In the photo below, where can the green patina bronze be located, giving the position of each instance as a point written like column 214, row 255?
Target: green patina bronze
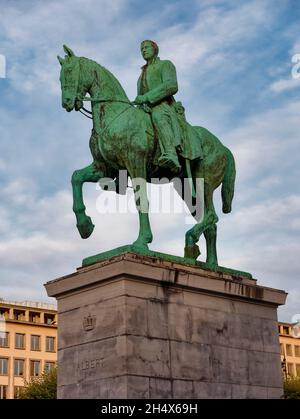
column 149, row 140
column 161, row 256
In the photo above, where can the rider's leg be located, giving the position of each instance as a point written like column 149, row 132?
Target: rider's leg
column 167, row 135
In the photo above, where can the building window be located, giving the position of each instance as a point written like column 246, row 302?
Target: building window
column 297, row 351
column 50, row 344
column 19, row 367
column 49, row 319
column 282, row 349
column 286, row 330
column 17, row 391
column 298, row 370
column 49, row 366
column 19, row 315
column 34, row 368
column 290, row 369
column 3, row 366
column 4, row 313
column 3, row 392
column 289, row 350
column 4, row 339
column 20, row 341
column 34, row 317
column 35, row 343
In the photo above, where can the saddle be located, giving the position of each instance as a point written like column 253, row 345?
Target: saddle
column 191, row 146
column 189, row 149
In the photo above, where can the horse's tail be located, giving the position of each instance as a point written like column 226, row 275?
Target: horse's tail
column 228, row 182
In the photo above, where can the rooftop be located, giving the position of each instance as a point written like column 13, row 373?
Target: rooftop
column 29, row 304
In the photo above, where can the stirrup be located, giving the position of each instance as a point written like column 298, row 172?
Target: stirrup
column 169, row 162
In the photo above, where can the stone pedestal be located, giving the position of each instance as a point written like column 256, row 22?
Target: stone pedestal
column 135, row 326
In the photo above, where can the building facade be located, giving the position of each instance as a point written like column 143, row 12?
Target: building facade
column 289, row 338
column 28, row 343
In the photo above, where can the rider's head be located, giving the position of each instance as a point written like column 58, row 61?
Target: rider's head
column 149, row 50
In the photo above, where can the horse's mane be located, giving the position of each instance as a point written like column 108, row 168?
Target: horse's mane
column 109, row 84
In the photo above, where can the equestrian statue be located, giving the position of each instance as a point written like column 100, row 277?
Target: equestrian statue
column 148, row 138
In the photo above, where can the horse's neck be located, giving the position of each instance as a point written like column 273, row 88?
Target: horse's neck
column 105, row 85
column 112, row 97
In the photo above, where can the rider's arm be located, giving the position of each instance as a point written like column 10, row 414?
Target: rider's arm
column 168, row 87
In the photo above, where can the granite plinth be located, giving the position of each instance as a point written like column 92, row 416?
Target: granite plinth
column 136, row 326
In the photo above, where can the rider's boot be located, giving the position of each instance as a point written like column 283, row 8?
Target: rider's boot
column 167, row 131
column 169, row 160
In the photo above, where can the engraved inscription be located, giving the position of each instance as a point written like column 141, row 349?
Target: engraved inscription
column 90, row 364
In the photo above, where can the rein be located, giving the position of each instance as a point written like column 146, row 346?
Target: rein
column 86, row 110
column 91, row 99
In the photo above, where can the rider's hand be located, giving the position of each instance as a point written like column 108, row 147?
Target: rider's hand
column 141, row 99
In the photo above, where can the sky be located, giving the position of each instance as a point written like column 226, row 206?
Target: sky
column 234, row 67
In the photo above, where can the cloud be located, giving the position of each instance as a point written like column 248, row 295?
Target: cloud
column 214, row 31
column 267, row 141
column 268, row 217
column 283, row 85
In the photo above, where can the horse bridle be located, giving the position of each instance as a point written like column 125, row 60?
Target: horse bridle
column 96, row 100
column 90, row 99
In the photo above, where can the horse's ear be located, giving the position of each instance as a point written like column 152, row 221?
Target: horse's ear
column 61, row 60
column 68, row 51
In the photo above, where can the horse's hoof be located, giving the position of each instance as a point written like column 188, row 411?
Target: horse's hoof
column 86, row 228
column 138, row 245
column 192, row 252
column 212, row 265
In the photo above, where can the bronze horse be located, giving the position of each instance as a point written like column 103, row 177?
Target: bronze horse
column 123, row 139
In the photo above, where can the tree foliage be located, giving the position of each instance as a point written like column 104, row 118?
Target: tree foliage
column 292, row 388
column 43, row 387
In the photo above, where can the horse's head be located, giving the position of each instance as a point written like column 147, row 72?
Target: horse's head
column 72, row 89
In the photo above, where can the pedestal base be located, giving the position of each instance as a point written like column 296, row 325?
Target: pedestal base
column 134, row 326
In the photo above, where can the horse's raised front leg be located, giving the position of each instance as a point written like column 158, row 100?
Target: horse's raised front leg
column 141, row 200
column 79, row 177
